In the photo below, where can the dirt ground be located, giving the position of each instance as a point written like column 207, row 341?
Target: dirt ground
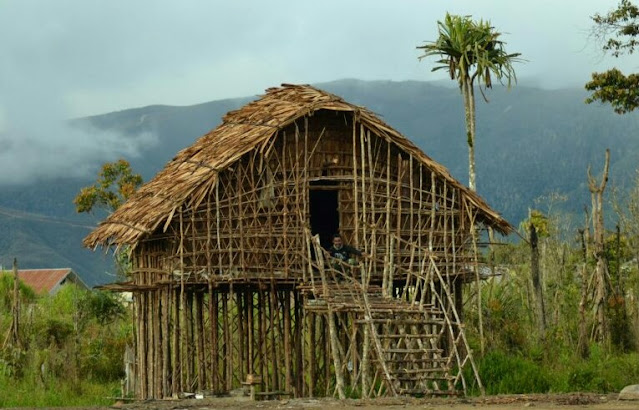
column 538, row 402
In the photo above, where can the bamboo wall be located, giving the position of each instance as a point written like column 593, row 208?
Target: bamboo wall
column 219, row 293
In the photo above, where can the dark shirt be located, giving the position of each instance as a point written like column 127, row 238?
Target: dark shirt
column 344, row 253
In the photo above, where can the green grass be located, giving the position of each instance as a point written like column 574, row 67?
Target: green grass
column 27, row 393
column 563, row 372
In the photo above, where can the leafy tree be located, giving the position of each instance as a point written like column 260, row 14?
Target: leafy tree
column 618, row 31
column 471, row 51
column 116, row 183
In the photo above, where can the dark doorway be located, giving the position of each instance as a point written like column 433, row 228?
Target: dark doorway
column 324, row 213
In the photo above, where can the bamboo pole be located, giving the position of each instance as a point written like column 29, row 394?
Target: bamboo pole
column 285, row 220
column 387, row 283
column 287, row 341
column 190, row 337
column 365, row 363
column 157, row 341
column 184, row 325
column 199, row 337
column 373, row 236
column 365, row 238
column 262, row 337
column 355, row 196
column 274, row 360
column 175, row 351
column 312, row 351
column 227, row 351
column 166, row 341
column 215, row 367
column 299, row 345
column 250, row 332
column 241, row 335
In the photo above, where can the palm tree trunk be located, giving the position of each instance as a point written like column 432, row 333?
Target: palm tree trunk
column 472, row 184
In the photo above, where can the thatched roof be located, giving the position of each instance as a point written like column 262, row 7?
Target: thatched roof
column 194, row 170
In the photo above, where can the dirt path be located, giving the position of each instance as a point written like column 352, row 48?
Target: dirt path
column 537, row 402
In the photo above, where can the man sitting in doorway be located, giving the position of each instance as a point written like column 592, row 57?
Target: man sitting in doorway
column 342, row 252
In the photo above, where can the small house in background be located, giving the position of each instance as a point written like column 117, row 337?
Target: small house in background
column 49, row 281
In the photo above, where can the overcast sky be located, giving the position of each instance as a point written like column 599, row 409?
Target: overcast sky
column 69, row 58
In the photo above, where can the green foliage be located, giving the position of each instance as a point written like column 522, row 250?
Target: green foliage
column 613, row 87
column 504, row 373
column 539, row 220
column 471, row 50
column 73, row 348
column 27, row 392
column 618, row 30
column 503, row 318
column 103, row 306
column 116, row 183
column 561, row 372
column 27, row 295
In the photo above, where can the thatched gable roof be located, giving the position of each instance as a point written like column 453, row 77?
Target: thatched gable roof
column 194, row 170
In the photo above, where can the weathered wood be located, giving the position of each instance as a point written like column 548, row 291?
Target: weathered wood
column 237, row 241
column 288, row 354
column 536, row 279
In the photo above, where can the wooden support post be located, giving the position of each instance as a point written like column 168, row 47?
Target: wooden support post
column 157, row 344
column 227, row 351
column 312, row 352
column 355, row 196
column 275, row 384
column 241, row 335
column 536, row 280
column 387, row 285
column 215, row 367
column 263, row 353
column 288, row 354
column 166, row 341
column 190, row 348
column 299, row 345
column 365, row 362
column 199, row 335
column 250, row 332
column 175, row 351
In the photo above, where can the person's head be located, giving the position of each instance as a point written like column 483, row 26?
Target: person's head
column 337, row 241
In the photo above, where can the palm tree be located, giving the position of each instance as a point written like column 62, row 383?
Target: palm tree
column 469, row 51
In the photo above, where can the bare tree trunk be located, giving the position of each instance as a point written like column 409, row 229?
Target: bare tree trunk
column 469, row 108
column 601, row 277
column 582, row 345
column 539, row 291
column 13, row 336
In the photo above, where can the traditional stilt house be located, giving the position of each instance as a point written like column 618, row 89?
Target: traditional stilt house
column 231, row 280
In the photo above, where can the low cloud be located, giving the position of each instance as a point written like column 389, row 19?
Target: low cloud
column 50, row 150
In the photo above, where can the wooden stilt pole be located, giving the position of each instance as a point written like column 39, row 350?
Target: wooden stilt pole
column 288, row 354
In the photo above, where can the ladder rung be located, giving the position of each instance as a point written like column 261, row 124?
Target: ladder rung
column 416, row 360
column 404, row 322
column 416, row 378
column 421, row 371
column 410, row 336
column 409, row 351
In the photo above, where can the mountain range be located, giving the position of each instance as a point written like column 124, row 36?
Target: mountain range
column 531, row 142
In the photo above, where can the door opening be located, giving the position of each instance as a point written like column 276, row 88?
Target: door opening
column 324, row 213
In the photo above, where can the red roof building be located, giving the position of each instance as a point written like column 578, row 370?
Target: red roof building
column 49, row 281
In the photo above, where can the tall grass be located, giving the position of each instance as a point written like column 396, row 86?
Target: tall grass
column 70, row 351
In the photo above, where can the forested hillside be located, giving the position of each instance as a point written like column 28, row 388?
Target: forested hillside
column 530, row 142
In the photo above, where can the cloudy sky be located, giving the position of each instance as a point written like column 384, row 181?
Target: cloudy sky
column 69, row 58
